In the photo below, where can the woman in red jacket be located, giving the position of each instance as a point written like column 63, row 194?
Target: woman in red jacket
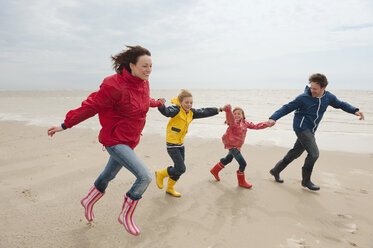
column 121, row 104
column 233, row 139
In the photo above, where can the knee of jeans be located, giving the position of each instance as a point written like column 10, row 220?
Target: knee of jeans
column 147, row 179
column 181, row 170
column 314, row 156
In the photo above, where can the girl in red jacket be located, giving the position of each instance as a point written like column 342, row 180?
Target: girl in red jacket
column 233, row 139
column 121, row 104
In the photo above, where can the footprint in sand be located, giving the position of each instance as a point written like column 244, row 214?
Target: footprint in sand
column 349, row 242
column 345, row 216
column 296, row 243
column 330, row 181
column 349, row 227
column 361, row 172
column 363, row 191
column 29, row 194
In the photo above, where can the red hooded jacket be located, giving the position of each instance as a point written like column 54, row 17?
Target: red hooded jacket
column 121, row 103
column 235, row 135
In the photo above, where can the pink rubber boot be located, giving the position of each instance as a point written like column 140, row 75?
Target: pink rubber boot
column 87, row 202
column 125, row 216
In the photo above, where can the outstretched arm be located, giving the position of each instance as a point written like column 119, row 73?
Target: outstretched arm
column 229, row 115
column 286, row 109
column 169, row 111
column 260, row 125
column 156, row 103
column 207, row 112
column 345, row 106
column 96, row 102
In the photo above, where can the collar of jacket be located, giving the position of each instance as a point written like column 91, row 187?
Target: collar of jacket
column 175, row 101
column 131, row 78
column 307, row 91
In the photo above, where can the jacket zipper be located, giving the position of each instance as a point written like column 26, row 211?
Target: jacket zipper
column 317, row 116
column 301, row 122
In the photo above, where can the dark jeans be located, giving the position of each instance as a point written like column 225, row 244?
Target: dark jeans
column 236, row 154
column 305, row 141
column 177, row 155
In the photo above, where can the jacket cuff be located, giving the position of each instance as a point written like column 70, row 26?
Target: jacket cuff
column 63, row 126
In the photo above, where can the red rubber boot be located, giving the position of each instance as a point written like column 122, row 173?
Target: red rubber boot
column 241, row 180
column 215, row 171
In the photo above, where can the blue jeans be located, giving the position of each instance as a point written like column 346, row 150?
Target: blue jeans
column 305, row 142
column 122, row 155
column 177, row 155
column 236, row 154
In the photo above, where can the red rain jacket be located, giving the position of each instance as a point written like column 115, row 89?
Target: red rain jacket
column 121, row 103
column 236, row 132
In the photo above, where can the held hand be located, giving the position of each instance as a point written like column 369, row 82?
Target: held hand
column 358, row 113
column 54, row 129
column 162, row 100
column 271, row 123
column 226, row 106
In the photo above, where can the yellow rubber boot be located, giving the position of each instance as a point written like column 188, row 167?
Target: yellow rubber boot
column 170, row 188
column 160, row 175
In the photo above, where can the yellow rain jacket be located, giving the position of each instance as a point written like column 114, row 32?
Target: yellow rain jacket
column 178, row 125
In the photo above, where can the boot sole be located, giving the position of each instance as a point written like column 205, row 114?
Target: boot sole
column 173, row 195
column 277, row 180
column 312, row 189
column 245, row 186
column 217, row 179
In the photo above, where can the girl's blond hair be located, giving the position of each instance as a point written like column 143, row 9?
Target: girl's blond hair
column 240, row 109
column 183, row 93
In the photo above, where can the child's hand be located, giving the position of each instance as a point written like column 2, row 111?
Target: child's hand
column 162, row 100
column 226, row 106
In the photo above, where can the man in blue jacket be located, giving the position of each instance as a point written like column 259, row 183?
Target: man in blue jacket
column 309, row 109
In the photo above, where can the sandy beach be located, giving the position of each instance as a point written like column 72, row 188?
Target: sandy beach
column 42, row 180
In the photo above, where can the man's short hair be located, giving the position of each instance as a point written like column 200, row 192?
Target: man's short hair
column 319, row 78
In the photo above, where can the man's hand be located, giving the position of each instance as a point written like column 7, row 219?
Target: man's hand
column 271, row 123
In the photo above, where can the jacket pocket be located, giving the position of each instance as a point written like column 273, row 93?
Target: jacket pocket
column 301, row 122
column 175, row 129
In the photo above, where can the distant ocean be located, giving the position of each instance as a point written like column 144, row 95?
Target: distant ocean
column 338, row 130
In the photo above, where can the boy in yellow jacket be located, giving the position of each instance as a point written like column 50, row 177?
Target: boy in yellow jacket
column 181, row 115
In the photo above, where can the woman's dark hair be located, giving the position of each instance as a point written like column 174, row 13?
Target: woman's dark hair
column 319, row 78
column 123, row 59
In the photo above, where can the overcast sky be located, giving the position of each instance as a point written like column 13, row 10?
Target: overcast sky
column 50, row 44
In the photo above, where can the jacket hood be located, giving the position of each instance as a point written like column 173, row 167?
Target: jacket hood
column 175, row 101
column 306, row 89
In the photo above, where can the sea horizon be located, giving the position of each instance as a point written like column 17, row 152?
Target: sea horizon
column 338, row 130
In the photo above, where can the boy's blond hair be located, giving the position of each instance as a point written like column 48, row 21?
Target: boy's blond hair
column 183, row 93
